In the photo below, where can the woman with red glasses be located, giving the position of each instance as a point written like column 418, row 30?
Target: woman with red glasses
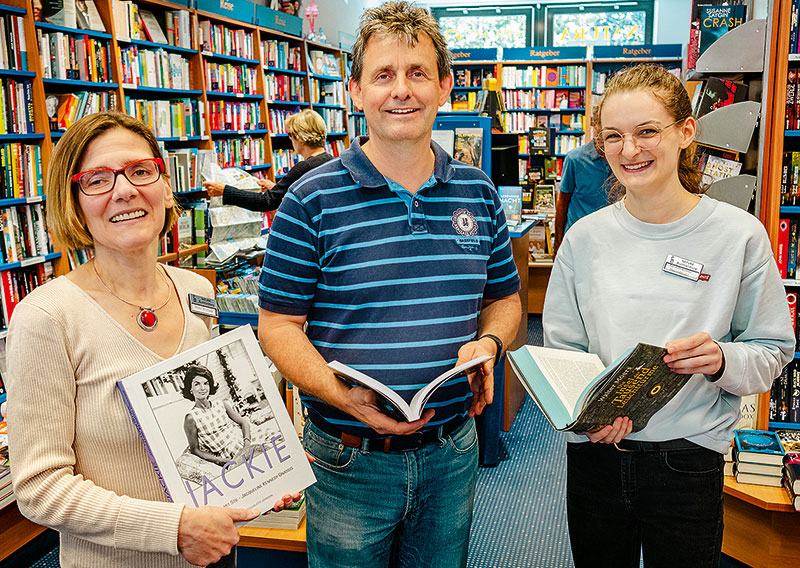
column 664, row 265
column 77, row 462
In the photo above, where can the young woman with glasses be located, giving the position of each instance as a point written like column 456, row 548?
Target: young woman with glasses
column 78, row 465
column 669, row 266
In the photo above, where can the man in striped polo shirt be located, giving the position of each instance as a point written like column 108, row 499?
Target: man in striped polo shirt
column 398, row 259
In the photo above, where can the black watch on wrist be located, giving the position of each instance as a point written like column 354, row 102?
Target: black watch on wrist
column 497, row 341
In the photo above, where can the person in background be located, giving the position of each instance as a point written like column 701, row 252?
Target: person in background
column 398, row 259
column 307, row 133
column 664, row 265
column 78, row 465
column 583, row 188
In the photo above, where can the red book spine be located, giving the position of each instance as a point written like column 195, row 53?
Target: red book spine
column 791, row 299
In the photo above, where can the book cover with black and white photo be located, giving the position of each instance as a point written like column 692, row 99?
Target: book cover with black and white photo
column 215, row 427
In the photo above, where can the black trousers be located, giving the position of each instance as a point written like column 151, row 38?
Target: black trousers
column 668, row 504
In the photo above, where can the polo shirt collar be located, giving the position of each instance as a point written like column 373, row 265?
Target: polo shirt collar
column 367, row 175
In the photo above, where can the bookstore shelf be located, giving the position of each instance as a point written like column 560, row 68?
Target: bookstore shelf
column 291, row 103
column 548, row 110
column 325, row 77
column 736, row 190
column 16, row 73
column 68, row 83
column 254, row 132
column 12, row 9
column 191, row 251
column 730, row 127
column 30, row 261
column 792, row 133
column 181, row 138
column 12, row 136
column 784, row 426
column 220, row 95
column 470, row 88
column 337, row 134
column 229, row 58
column 11, row 202
column 322, row 105
column 160, row 91
column 360, row 113
column 72, row 31
column 164, row 46
column 237, row 318
column 257, row 167
column 284, row 71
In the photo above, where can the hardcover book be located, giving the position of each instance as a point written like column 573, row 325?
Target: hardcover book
column 791, row 463
column 392, row 403
column 468, row 146
column 578, row 393
column 757, row 479
column 716, row 21
column 758, row 446
column 215, row 428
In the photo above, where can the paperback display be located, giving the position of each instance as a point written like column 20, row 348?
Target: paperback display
column 392, row 403
column 178, row 406
column 511, row 198
column 577, row 393
column 757, row 446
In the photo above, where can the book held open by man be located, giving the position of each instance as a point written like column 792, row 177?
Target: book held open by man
column 391, row 402
column 578, row 393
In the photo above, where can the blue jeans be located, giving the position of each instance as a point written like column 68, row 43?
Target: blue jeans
column 666, row 503
column 405, row 509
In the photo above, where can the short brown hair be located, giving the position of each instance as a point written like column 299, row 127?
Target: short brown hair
column 405, row 20
column 669, row 90
column 64, row 217
column 308, row 127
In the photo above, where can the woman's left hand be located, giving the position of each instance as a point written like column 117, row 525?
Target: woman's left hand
column 696, row 354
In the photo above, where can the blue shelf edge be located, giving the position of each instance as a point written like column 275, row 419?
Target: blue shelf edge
column 12, row 201
column 784, row 425
column 237, row 318
column 27, row 261
column 12, row 9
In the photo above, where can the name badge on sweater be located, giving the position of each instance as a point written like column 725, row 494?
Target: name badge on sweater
column 203, row 306
column 684, row 268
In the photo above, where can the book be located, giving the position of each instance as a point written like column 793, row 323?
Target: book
column 790, row 440
column 87, row 17
column 717, row 168
column 538, row 244
column 151, row 26
column 511, row 198
column 59, row 13
column 545, row 198
column 716, row 93
column 539, row 140
column 290, row 518
column 791, row 464
column 716, row 21
column 760, row 468
column 203, row 384
column 793, row 496
column 757, row 479
column 445, row 139
column 576, row 392
column 757, row 446
column 468, row 146
column 392, row 403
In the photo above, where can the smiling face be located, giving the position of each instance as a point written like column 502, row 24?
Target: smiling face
column 400, row 90
column 646, row 171
column 128, row 218
column 200, row 388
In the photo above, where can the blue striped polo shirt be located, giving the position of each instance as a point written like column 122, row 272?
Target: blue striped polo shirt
column 391, row 283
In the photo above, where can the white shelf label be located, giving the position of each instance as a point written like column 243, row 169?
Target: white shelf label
column 31, row 260
column 35, row 199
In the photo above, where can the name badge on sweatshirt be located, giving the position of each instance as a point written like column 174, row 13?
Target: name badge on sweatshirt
column 203, row 306
column 685, row 268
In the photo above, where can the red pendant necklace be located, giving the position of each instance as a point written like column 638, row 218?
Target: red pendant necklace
column 147, row 318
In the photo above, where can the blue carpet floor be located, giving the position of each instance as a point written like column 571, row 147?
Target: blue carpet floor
column 520, row 518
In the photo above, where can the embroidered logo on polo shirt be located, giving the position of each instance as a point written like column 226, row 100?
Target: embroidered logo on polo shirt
column 464, row 223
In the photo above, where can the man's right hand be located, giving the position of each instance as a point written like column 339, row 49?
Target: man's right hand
column 362, row 405
column 206, row 534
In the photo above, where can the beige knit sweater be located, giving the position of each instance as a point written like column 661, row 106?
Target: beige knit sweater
column 77, row 463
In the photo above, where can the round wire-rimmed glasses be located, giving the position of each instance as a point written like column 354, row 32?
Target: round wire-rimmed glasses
column 645, row 137
column 103, row 180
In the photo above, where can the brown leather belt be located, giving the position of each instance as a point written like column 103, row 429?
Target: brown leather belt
column 389, row 444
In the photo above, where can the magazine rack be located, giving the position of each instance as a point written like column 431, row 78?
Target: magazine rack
column 736, row 190
column 730, row 127
column 727, row 56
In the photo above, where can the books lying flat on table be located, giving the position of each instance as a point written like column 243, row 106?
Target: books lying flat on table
column 757, row 446
column 210, row 462
column 392, row 403
column 290, row 518
column 758, row 479
column 577, row 393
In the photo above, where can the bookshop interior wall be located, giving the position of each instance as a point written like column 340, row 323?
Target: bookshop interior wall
column 216, row 82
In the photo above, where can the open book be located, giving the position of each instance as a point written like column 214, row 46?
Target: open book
column 577, row 393
column 392, row 403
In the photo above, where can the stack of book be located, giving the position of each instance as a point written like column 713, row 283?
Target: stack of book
column 290, row 518
column 759, row 457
